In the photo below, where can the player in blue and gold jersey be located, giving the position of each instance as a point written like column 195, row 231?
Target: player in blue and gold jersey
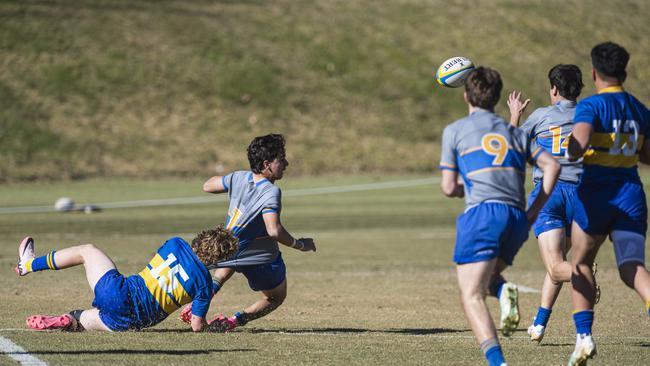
column 549, row 128
column 254, row 218
column 176, row 275
column 610, row 131
column 490, row 155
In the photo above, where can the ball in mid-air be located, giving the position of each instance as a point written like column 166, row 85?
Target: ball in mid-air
column 64, row 204
column 453, row 72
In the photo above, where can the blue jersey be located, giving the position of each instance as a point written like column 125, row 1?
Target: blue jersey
column 174, row 277
column 490, row 155
column 620, row 124
column 249, row 201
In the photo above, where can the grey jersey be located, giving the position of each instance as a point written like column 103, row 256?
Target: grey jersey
column 490, row 155
column 549, row 128
column 250, row 200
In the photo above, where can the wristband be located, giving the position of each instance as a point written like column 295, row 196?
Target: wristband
column 295, row 244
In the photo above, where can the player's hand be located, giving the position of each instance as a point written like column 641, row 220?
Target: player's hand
column 305, row 244
column 186, row 314
column 517, row 107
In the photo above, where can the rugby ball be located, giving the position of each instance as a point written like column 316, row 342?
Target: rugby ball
column 453, row 72
column 64, row 204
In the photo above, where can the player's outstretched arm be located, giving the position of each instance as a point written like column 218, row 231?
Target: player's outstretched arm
column 551, row 169
column 579, row 140
column 450, row 185
column 275, row 230
column 517, row 107
column 214, row 185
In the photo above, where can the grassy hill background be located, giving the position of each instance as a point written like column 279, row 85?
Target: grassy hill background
column 153, row 88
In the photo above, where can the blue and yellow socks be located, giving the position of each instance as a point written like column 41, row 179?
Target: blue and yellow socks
column 41, row 263
column 543, row 315
column 583, row 321
column 647, row 307
column 493, row 352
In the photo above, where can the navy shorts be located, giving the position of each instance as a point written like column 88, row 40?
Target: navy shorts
column 490, row 230
column 113, row 299
column 557, row 213
column 264, row 277
column 602, row 208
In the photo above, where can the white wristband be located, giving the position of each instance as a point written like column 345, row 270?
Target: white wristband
column 295, row 244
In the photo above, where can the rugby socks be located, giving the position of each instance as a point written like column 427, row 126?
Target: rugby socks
column 41, row 263
column 496, row 286
column 543, row 315
column 241, row 318
column 647, row 307
column 493, row 352
column 583, row 321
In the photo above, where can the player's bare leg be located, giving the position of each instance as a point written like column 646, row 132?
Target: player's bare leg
column 636, row 277
column 473, row 280
column 583, row 291
column 271, row 300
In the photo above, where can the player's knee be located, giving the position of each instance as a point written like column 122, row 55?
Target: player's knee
column 627, row 272
column 555, row 279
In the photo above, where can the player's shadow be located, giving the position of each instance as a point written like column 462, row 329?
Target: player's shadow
column 330, row 330
column 122, row 351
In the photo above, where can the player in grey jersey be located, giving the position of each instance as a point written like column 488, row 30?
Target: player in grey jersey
column 549, row 127
column 254, row 218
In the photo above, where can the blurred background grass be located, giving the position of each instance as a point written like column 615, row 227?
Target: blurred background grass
column 156, row 88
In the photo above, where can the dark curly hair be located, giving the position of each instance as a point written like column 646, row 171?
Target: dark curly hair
column 212, row 246
column 567, row 79
column 269, row 148
column 483, row 87
column 610, row 59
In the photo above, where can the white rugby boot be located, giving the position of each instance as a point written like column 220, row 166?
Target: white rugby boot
column 508, row 301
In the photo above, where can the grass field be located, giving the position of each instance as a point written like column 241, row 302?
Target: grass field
column 381, row 288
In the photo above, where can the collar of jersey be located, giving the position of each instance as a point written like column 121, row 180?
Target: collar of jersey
column 480, row 110
column 611, row 89
column 566, row 102
column 259, row 182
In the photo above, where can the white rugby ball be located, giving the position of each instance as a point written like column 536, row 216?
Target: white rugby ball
column 64, row 204
column 453, row 72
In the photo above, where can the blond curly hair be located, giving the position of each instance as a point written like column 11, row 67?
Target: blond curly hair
column 214, row 245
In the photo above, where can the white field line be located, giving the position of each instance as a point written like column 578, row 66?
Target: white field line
column 17, row 353
column 224, row 198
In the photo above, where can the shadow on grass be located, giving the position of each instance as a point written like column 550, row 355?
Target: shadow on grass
column 557, row 344
column 643, row 344
column 180, row 352
column 406, row 331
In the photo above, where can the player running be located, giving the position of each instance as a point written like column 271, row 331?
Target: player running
column 610, row 131
column 548, row 128
column 254, row 218
column 176, row 275
column 491, row 156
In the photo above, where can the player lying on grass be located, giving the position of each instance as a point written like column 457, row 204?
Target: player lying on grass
column 610, row 132
column 491, row 157
column 176, row 275
column 254, row 218
column 548, row 128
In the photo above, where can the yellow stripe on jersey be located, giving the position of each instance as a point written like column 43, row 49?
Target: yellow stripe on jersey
column 604, row 140
column 447, row 165
column 233, row 219
column 611, row 89
column 160, row 281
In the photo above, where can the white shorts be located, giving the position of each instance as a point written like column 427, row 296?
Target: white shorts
column 628, row 247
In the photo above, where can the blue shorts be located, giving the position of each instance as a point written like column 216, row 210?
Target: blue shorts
column 113, row 299
column 557, row 213
column 604, row 207
column 264, row 277
column 488, row 231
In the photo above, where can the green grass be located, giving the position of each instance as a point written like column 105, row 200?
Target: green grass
column 152, row 88
column 381, row 288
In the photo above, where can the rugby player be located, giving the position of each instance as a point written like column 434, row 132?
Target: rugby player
column 254, row 218
column 491, row 156
column 610, row 131
column 176, row 275
column 548, row 127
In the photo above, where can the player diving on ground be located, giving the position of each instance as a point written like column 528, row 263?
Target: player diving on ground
column 176, row 275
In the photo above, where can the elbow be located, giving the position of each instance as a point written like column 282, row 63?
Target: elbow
column 274, row 232
column 448, row 189
column 206, row 187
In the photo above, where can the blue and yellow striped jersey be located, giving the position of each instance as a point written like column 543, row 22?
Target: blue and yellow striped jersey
column 620, row 124
column 174, row 277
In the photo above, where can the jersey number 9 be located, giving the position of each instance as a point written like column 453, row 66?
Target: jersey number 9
column 496, row 145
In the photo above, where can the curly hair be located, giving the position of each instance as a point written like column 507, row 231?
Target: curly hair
column 610, row 59
column 483, row 87
column 567, row 79
column 269, row 148
column 214, row 245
